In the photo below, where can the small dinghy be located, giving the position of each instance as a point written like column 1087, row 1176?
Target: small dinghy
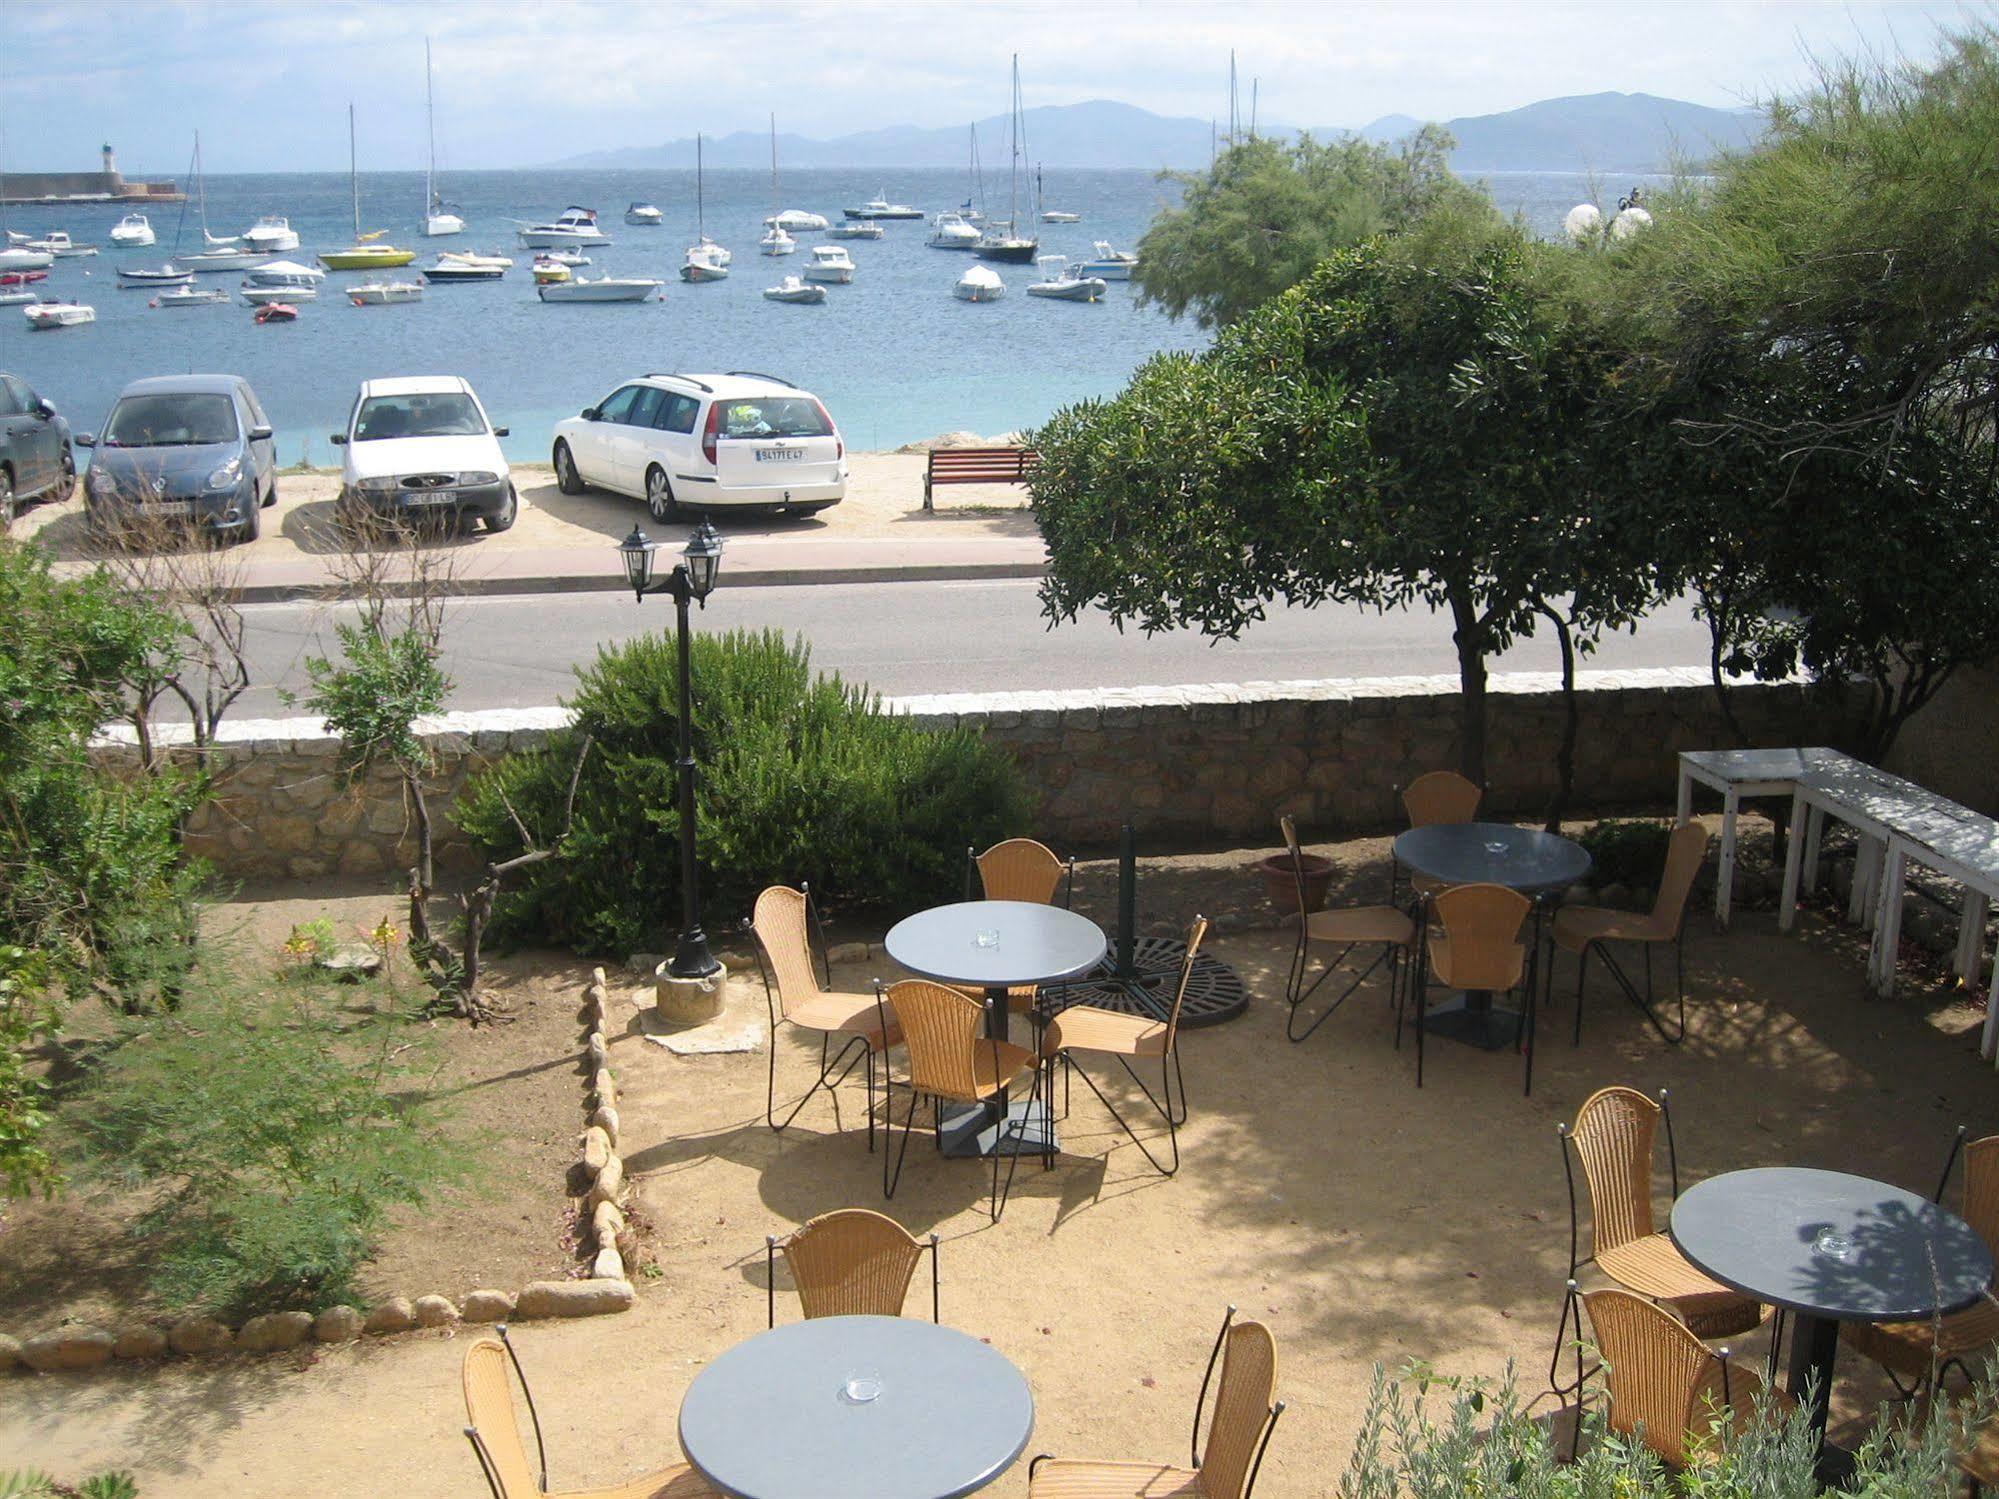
column 549, row 272
column 384, row 293
column 979, row 284
column 603, row 289
column 795, row 289
column 46, row 315
column 190, row 296
column 645, row 215
column 1062, row 282
column 275, row 312
column 22, row 278
column 14, row 296
column 265, row 296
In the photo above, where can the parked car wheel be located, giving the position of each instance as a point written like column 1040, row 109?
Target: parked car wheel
column 66, row 485
column 6, row 500
column 660, row 502
column 566, row 478
column 504, row 519
column 252, row 526
column 271, row 498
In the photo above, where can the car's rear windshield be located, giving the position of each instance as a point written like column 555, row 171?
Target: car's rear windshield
column 171, row 421
column 774, row 416
column 447, row 414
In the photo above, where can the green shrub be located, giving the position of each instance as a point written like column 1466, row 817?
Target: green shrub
column 26, row 1015
column 277, row 1132
column 801, row 778
column 1631, row 854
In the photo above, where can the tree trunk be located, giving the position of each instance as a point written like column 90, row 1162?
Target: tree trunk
column 425, row 869
column 1469, row 637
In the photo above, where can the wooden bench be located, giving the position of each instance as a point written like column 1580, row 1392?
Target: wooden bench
column 977, row 466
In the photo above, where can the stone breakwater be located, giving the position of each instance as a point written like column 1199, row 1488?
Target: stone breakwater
column 1198, row 763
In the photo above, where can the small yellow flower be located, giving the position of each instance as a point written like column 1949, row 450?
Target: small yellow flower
column 385, row 935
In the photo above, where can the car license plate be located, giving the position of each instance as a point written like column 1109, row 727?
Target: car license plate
column 173, row 507
column 780, row 455
column 431, row 497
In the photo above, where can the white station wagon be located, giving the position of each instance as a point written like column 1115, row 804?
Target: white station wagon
column 705, row 442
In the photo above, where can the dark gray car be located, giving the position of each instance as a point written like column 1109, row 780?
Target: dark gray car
column 35, row 458
column 182, row 448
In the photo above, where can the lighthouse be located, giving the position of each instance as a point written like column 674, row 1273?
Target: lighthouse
column 110, row 164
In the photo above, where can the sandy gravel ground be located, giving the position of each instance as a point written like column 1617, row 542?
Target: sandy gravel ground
column 884, row 498
column 1364, row 1220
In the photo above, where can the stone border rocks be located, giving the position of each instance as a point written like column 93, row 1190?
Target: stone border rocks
column 600, row 1168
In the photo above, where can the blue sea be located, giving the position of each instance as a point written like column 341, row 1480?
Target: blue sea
column 894, row 355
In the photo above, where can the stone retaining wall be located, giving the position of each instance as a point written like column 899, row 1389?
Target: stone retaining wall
column 1216, row 761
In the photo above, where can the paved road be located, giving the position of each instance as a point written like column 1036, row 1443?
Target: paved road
column 516, row 651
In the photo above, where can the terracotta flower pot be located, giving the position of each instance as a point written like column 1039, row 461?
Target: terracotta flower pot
column 1281, row 881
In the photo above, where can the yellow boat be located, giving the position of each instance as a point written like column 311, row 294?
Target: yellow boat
column 365, row 255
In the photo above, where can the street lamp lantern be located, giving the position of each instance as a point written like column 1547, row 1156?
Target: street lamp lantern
column 691, row 581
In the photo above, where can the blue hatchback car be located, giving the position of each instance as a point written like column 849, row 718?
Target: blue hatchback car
column 184, row 448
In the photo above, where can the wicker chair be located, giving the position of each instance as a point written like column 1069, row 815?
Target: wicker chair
column 1019, row 869
column 1921, row 1351
column 1613, row 1136
column 1237, row 1436
column 850, row 1263
column 1388, row 927
column 786, row 926
column 1665, row 1386
column 495, row 1435
column 1128, row 1038
column 1586, row 931
column 1478, row 950
column 1440, row 796
column 951, row 1060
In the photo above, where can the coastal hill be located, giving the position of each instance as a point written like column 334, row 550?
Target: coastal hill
column 1590, row 132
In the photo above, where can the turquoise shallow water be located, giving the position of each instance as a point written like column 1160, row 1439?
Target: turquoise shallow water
column 895, row 356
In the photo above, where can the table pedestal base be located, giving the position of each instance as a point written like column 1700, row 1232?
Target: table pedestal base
column 1814, row 1349
column 971, row 1130
column 1475, row 1020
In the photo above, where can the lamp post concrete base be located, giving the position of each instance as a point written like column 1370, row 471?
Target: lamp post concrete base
column 688, row 1001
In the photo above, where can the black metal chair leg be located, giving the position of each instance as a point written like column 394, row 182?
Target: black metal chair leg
column 890, row 1181
column 1642, row 1002
column 1291, row 1032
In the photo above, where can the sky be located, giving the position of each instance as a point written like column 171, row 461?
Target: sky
column 267, row 82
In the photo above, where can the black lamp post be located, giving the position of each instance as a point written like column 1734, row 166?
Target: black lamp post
column 691, row 581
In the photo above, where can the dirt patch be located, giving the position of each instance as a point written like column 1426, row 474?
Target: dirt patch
column 513, row 1094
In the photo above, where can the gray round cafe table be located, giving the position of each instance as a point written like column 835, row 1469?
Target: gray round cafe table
column 994, row 945
column 1829, row 1248
column 1489, row 853
column 856, row 1408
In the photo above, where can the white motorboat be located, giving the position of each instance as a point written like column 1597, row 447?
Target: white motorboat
column 61, row 246
column 856, row 229
column 1063, row 283
column 45, row 315
column 133, row 229
column 284, row 273
column 951, row 231
column 568, row 258
column 271, row 235
column 573, row 226
column 14, row 296
column 168, row 274
column 547, row 271
column 476, row 258
column 191, row 296
column 261, row 296
column 879, row 207
column 776, row 242
column 979, row 284
column 449, row 270
column 1060, row 216
column 603, row 289
column 223, row 259
column 384, row 293
column 22, row 258
column 438, row 219
column 792, row 289
column 701, row 265
column 1112, row 265
column 797, row 221
column 16, row 237
column 644, row 215
column 830, row 263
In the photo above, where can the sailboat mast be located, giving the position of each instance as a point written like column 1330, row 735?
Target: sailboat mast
column 700, row 194
column 1013, row 167
column 200, row 187
column 353, row 172
column 430, row 129
column 773, row 161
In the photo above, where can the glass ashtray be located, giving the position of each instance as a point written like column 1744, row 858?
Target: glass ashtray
column 1835, row 1245
column 862, row 1388
column 987, row 937
column 1495, row 846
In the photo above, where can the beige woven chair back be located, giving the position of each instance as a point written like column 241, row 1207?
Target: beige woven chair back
column 852, row 1263
column 489, row 1409
column 1613, row 1136
column 1660, row 1376
column 939, row 1029
column 780, row 924
column 1685, row 853
column 1483, row 923
column 1196, row 934
column 1981, row 1189
column 1440, row 796
column 1020, row 869
column 1242, row 1408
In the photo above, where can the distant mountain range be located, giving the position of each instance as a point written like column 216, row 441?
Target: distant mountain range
column 1589, row 132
